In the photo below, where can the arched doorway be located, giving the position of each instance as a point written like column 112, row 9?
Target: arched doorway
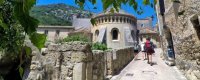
column 168, row 47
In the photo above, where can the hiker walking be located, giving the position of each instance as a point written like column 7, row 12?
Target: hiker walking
column 149, row 50
column 144, row 54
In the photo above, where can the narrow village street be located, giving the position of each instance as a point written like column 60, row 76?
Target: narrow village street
column 138, row 69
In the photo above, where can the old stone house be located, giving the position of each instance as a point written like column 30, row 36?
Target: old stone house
column 55, row 32
column 142, row 23
column 148, row 32
column 118, row 30
column 146, row 29
column 182, row 26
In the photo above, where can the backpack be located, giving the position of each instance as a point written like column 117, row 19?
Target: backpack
column 148, row 44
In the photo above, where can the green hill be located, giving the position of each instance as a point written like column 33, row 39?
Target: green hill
column 57, row 14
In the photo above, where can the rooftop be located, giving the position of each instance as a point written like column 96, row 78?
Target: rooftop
column 50, row 26
column 120, row 12
column 147, row 30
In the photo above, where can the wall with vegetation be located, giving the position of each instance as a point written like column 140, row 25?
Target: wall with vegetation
column 76, row 61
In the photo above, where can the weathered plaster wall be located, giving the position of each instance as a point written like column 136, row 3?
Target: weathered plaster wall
column 51, row 36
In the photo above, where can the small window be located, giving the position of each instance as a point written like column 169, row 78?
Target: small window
column 121, row 20
column 115, row 34
column 133, row 34
column 129, row 20
column 124, row 19
column 57, row 33
column 142, row 25
column 97, row 33
column 113, row 19
column 117, row 19
column 46, row 32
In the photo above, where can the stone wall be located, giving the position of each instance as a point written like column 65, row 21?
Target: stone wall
column 112, row 60
column 185, row 31
column 76, row 61
column 118, row 59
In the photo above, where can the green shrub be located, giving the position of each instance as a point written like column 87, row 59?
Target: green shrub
column 77, row 37
column 99, row 46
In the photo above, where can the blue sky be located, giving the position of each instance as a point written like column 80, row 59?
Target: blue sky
column 148, row 11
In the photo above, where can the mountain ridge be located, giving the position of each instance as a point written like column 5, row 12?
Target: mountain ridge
column 57, row 14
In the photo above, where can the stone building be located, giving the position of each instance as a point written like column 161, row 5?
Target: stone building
column 117, row 30
column 146, row 29
column 55, row 32
column 148, row 32
column 182, row 26
column 81, row 24
column 147, row 22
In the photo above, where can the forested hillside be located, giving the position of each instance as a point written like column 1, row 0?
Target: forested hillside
column 57, row 14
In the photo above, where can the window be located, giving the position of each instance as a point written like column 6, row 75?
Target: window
column 116, row 19
column 115, row 34
column 121, row 19
column 57, row 33
column 132, row 33
column 196, row 24
column 142, row 25
column 105, row 19
column 97, row 33
column 46, row 32
column 113, row 19
column 130, row 21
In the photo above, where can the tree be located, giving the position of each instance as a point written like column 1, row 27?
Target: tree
column 15, row 24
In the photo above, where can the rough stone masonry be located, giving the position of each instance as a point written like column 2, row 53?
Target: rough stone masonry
column 76, row 61
column 185, row 34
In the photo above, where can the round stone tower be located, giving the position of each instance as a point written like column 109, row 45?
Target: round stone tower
column 118, row 30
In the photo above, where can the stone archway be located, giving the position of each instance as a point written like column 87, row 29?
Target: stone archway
column 169, row 39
